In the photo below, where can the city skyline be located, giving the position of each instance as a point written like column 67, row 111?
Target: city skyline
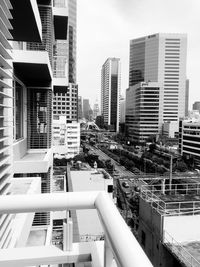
column 112, row 34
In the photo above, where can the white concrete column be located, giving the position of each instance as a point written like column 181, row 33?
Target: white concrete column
column 108, row 256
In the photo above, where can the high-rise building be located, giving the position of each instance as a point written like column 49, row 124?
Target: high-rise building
column 158, row 58
column 26, row 109
column 87, row 111
column 96, row 110
column 65, row 100
column 110, row 92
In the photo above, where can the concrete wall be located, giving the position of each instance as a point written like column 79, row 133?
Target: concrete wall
column 183, row 228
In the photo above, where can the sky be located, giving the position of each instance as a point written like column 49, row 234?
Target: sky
column 105, row 28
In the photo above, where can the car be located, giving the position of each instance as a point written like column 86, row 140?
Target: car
column 125, row 184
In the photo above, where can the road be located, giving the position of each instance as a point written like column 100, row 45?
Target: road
column 121, row 169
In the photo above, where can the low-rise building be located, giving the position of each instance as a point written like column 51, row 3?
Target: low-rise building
column 189, row 139
column 169, row 223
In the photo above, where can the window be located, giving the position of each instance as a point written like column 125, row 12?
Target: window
column 18, row 110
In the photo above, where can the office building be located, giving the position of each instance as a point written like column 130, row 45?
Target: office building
column 142, row 110
column 158, row 58
column 110, row 93
column 87, row 111
column 189, row 139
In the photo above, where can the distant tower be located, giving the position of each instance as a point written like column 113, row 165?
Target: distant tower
column 110, row 92
column 96, row 110
column 87, row 111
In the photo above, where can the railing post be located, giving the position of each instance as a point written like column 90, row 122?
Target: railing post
column 67, row 233
column 108, row 256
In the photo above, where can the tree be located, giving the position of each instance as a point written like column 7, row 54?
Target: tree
column 181, row 166
column 152, row 147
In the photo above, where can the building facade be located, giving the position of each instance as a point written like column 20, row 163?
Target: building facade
column 189, row 139
column 161, row 58
column 110, row 92
column 80, row 108
column 72, row 22
column 66, row 138
column 142, row 110
column 26, row 110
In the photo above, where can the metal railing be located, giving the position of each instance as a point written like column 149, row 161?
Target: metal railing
column 178, row 249
column 171, row 208
column 186, row 188
column 123, row 247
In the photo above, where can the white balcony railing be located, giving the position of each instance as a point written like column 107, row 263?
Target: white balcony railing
column 119, row 241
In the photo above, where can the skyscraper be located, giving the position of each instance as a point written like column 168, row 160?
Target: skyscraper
column 65, row 101
column 159, row 61
column 110, row 92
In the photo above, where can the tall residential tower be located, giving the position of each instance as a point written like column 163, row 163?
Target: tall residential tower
column 110, row 92
column 157, row 82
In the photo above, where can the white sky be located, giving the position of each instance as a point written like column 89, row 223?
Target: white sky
column 105, row 28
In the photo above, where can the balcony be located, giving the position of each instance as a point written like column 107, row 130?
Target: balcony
column 118, row 248
column 26, row 21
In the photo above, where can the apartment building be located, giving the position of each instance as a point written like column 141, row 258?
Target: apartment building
column 110, row 92
column 189, row 139
column 160, row 58
column 29, row 72
column 66, row 138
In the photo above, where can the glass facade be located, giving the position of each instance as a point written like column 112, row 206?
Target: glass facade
column 137, row 63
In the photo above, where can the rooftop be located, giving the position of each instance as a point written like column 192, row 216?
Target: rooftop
column 181, row 199
column 88, row 220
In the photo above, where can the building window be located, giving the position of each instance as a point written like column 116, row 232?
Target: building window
column 18, row 110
